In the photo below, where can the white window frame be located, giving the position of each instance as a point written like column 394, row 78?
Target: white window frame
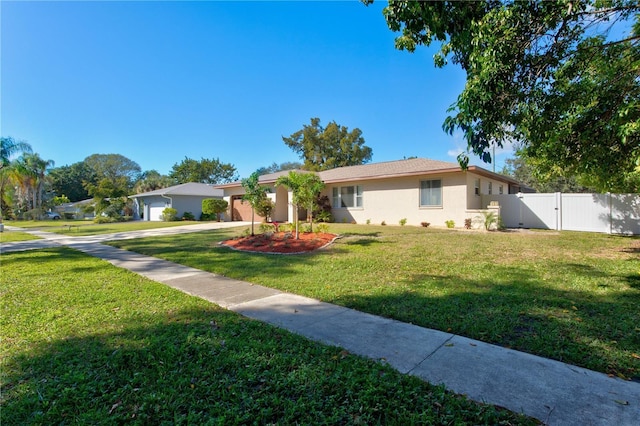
column 477, row 187
column 500, row 189
column 430, row 188
column 358, row 197
column 490, row 187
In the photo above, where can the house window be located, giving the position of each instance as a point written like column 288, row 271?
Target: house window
column 500, row 189
column 477, row 187
column 490, row 188
column 347, row 196
column 430, row 193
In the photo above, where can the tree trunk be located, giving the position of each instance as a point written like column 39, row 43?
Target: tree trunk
column 252, row 211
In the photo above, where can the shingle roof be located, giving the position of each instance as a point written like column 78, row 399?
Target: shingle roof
column 386, row 169
column 191, row 188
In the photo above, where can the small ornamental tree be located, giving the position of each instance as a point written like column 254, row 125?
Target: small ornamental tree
column 305, row 188
column 214, row 206
column 255, row 194
column 265, row 208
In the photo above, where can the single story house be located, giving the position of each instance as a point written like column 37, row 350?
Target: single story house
column 76, row 209
column 418, row 190
column 186, row 197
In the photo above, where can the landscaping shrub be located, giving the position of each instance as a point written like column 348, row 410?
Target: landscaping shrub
column 323, row 216
column 322, row 228
column 212, row 208
column 467, row 223
column 105, row 219
column 403, row 221
column 488, row 220
column 425, row 224
column 266, row 228
column 169, row 215
column 322, row 209
column 188, row 216
column 450, row 223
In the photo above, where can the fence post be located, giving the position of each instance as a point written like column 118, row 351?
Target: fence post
column 558, row 211
column 520, row 219
column 610, row 203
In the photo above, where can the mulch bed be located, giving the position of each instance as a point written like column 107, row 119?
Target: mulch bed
column 281, row 242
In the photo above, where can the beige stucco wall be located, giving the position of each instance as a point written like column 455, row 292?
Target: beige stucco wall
column 391, row 200
column 281, row 198
column 475, row 201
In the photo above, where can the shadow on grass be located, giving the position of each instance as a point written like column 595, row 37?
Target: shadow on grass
column 362, row 242
column 360, row 234
column 633, row 280
column 522, row 313
column 585, row 322
column 205, row 365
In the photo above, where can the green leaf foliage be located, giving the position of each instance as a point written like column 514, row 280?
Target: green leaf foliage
column 561, row 78
column 214, row 206
column 72, row 180
column 324, row 148
column 211, row 171
column 255, row 194
column 305, row 188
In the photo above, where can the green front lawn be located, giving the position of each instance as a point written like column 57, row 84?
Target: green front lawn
column 87, row 343
column 569, row 296
column 87, row 227
column 8, row 236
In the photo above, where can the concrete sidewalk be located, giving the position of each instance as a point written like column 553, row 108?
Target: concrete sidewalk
column 554, row 392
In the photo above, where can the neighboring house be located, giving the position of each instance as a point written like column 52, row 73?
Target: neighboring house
column 418, row 190
column 76, row 209
column 186, row 197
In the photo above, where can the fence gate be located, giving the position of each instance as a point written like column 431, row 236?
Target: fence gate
column 608, row 213
column 539, row 211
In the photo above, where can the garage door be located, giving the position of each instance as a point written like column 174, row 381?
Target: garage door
column 155, row 210
column 241, row 210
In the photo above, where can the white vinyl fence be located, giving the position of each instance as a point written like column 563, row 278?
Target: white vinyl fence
column 607, row 213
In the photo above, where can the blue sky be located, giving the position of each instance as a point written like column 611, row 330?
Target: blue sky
column 161, row 81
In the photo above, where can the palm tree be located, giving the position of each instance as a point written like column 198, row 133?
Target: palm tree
column 254, row 194
column 305, row 187
column 150, row 181
column 31, row 170
column 10, row 147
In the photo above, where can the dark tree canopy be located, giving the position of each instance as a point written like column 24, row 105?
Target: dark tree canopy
column 114, row 178
column 206, row 170
column 327, row 148
column 559, row 77
column 69, row 181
